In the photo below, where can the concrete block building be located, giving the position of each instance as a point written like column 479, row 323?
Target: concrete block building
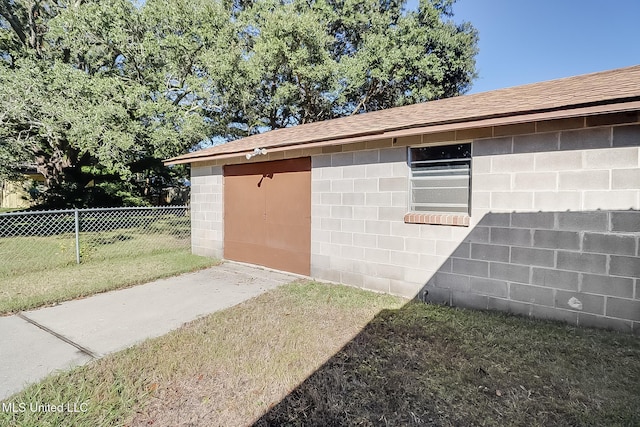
column 523, row 199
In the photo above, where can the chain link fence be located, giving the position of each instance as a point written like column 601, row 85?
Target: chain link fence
column 38, row 241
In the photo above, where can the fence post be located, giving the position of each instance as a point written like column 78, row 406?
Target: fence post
column 77, row 218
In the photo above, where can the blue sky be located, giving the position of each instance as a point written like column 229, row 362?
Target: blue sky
column 528, row 41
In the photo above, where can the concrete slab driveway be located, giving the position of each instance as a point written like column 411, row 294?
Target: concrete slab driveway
column 36, row 343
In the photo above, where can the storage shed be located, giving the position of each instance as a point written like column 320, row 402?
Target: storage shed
column 522, row 199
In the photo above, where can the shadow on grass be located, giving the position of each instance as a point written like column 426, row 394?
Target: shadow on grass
column 433, row 365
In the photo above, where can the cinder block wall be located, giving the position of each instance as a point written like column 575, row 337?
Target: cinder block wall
column 359, row 237
column 580, row 267
column 207, row 210
column 358, row 233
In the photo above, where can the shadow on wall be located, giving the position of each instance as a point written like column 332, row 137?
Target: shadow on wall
column 579, row 267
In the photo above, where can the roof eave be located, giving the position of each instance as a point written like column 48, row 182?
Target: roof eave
column 591, row 110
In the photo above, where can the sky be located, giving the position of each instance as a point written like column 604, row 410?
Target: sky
column 529, row 41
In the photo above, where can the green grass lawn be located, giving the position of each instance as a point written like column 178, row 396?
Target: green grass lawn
column 23, row 290
column 309, row 354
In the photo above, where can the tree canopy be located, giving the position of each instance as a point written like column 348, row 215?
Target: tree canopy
column 97, row 92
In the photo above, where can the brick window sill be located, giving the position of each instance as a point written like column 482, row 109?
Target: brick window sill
column 460, row 220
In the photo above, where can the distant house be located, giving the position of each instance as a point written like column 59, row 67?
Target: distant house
column 522, row 199
column 15, row 194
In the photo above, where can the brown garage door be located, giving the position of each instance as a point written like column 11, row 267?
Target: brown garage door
column 267, row 214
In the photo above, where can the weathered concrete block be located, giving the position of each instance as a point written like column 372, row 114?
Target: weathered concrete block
column 378, row 199
column 512, row 200
column 535, row 181
column 469, row 300
column 556, row 239
column 531, row 294
column 391, row 242
column 585, row 139
column 495, row 219
column 492, row 146
column 390, row 213
column 365, row 157
column 341, row 238
column 404, row 259
column 353, row 199
column 377, row 227
column 321, row 161
column 607, row 285
column 421, row 246
column 354, row 171
column 625, row 266
column 579, row 302
column 341, row 212
column 625, row 221
column 509, row 272
column 626, row 136
column 470, row 267
column 492, row 182
column 457, row 282
column 478, row 235
column 363, row 185
column 602, row 322
column 555, row 278
column 583, row 221
column 557, row 161
column 365, row 212
column 625, row 179
column 491, row 287
column 393, row 184
column 536, row 143
column 486, row 252
column 513, row 163
column 462, row 251
column 618, row 244
column 611, row 158
column 584, row 180
column 554, row 313
column 577, row 261
column 393, row 155
column 341, row 159
column 610, row 199
column 531, row 256
column 377, row 255
column 378, row 284
column 557, row 200
column 509, row 306
column 511, row 236
column 544, row 220
column 388, row 271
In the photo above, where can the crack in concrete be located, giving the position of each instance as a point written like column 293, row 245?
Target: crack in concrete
column 60, row 337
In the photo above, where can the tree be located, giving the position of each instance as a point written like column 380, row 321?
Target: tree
column 96, row 92
column 105, row 87
column 314, row 60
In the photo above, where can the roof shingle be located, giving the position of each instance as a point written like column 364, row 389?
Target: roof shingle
column 602, row 88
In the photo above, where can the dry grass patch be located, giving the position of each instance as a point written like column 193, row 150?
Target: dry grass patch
column 311, row 354
column 30, row 290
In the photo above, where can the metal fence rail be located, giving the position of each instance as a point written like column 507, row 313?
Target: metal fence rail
column 37, row 241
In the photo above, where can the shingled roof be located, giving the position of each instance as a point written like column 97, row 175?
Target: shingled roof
column 603, row 92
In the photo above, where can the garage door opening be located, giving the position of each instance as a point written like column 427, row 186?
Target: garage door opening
column 267, row 214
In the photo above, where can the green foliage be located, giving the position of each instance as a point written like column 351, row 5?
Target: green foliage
column 91, row 90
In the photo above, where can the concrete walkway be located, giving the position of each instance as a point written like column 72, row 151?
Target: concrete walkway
column 39, row 342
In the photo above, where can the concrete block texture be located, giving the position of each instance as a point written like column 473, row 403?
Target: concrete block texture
column 623, row 308
column 626, row 136
column 580, row 261
column 608, row 243
column 579, row 302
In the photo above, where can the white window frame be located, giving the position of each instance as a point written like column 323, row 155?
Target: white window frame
column 440, row 208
